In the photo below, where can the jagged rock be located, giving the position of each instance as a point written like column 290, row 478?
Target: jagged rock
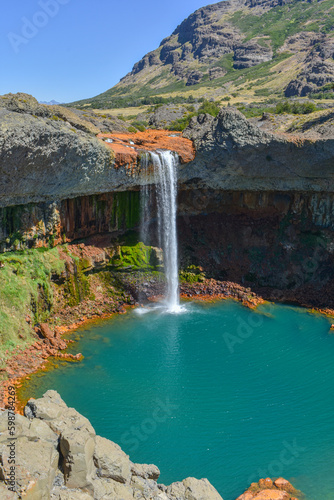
column 110, row 461
column 180, row 70
column 194, row 77
column 147, row 488
column 49, row 407
column 110, row 475
column 250, row 54
column 167, row 50
column 232, row 153
column 35, row 451
column 77, row 436
column 150, row 59
column 165, row 115
column 318, row 69
column 283, row 484
column 193, row 489
column 77, row 449
column 65, row 494
column 145, row 471
column 216, row 72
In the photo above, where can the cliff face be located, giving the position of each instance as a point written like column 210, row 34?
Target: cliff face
column 279, row 243
column 51, row 157
column 253, row 204
column 232, row 153
column 42, row 158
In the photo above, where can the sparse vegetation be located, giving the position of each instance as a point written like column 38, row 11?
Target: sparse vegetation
column 295, row 108
column 209, row 107
column 25, row 280
column 289, row 107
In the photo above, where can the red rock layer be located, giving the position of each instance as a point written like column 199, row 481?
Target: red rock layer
column 127, row 146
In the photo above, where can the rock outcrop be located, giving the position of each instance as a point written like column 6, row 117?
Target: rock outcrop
column 60, row 185
column 318, row 68
column 266, row 489
column 59, row 457
column 52, row 157
column 128, row 148
column 250, row 54
column 232, row 153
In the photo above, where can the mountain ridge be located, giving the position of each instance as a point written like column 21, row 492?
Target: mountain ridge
column 274, row 47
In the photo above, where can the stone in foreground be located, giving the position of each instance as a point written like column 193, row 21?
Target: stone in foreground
column 61, row 458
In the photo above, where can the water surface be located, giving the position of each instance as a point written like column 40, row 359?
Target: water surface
column 219, row 392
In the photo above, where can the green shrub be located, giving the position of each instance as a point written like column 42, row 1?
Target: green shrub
column 209, row 107
column 295, row 108
column 140, row 125
column 192, row 274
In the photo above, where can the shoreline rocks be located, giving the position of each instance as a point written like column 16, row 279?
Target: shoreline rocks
column 267, row 489
column 61, row 458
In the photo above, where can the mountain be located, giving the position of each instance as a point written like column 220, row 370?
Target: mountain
column 49, row 103
column 240, row 49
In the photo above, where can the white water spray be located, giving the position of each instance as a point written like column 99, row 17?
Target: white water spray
column 165, row 174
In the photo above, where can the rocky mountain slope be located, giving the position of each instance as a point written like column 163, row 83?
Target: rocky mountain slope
column 247, row 49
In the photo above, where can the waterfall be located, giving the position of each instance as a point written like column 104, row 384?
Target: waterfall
column 165, row 176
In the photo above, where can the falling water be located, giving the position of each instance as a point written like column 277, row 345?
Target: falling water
column 165, row 175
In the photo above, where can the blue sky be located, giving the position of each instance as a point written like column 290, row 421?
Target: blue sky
column 74, row 49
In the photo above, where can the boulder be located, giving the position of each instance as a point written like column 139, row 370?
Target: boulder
column 46, row 331
column 49, row 407
column 110, row 461
column 283, row 484
column 193, row 489
column 77, row 449
column 248, row 495
column 77, row 436
column 36, row 466
column 265, row 483
column 35, row 453
column 145, row 471
column 59, row 417
column 175, row 491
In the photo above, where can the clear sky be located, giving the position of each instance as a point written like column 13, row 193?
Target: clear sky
column 73, row 49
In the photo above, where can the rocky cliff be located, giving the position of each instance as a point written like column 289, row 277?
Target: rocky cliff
column 258, row 193
column 247, row 49
column 61, row 457
column 48, row 153
column 234, row 154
